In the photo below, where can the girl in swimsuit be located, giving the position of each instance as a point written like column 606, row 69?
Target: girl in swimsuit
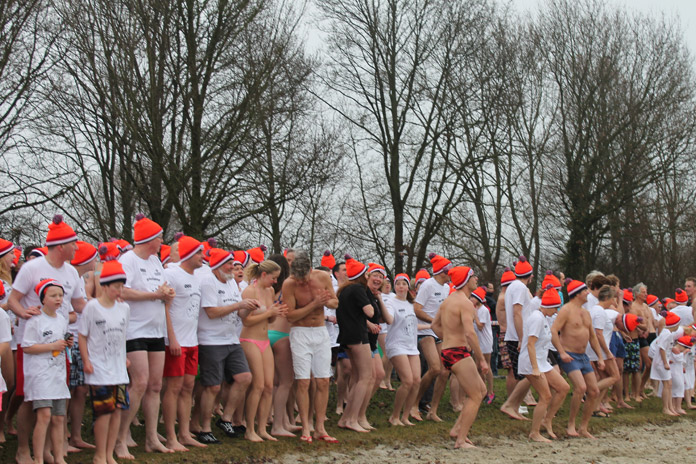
column 256, row 345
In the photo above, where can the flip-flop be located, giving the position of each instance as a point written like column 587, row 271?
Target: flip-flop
column 327, row 439
column 306, row 438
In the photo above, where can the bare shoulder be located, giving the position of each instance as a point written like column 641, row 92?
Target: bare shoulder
column 321, row 276
column 249, row 292
column 289, row 284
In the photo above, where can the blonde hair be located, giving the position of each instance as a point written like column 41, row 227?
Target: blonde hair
column 254, row 270
column 5, row 271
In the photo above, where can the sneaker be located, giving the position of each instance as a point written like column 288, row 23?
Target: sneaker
column 490, row 398
column 239, row 431
column 207, row 438
column 226, row 427
column 523, row 410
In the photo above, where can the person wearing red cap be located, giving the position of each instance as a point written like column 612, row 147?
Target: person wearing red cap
column 339, row 276
column 102, row 341
column 6, row 360
column 662, row 358
column 44, row 342
column 401, row 347
column 181, row 355
column 517, row 297
column 221, row 357
column 421, row 276
column 484, row 333
column 454, row 323
column 354, row 307
column 61, row 242
column 574, row 325
column 505, row 280
column 681, row 347
column 430, row 296
column 534, row 364
column 146, row 292
column 306, row 292
column 631, row 366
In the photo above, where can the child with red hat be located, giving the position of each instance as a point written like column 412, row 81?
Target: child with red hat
column 102, row 340
column 661, row 351
column 682, row 345
column 484, row 333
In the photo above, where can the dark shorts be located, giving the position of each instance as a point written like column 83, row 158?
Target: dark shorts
column 451, row 356
column 580, row 362
column 77, row 371
column 106, row 398
column 503, row 352
column 145, row 344
column 421, row 337
column 218, row 362
column 617, row 345
column 643, row 342
column 651, row 337
column 632, row 359
column 514, row 355
column 342, row 354
column 554, row 358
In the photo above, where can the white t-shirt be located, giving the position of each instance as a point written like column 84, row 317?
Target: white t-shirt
column 485, row 335
column 185, row 306
column 73, row 327
column 331, row 327
column 5, row 337
column 147, row 318
column 591, row 302
column 106, row 330
column 536, row 325
column 45, row 375
column 685, row 313
column 431, row 295
column 610, row 325
column 517, row 293
column 224, row 330
column 599, row 321
column 384, row 327
column 10, row 314
column 402, row 337
column 36, row 270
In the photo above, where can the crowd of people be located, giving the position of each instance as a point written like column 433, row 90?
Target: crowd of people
column 187, row 332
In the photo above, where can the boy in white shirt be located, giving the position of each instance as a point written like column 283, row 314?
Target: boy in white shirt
column 102, row 340
column 45, row 338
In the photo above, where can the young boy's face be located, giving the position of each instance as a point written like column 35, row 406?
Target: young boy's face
column 53, row 297
column 113, row 290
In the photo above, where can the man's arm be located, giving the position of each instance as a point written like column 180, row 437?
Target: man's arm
column 557, row 326
column 420, row 314
column 325, row 280
column 436, row 325
column 517, row 317
column 467, row 317
column 14, row 302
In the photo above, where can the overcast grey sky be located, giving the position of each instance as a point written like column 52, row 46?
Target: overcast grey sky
column 683, row 10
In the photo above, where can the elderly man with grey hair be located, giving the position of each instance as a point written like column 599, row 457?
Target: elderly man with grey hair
column 645, row 337
column 306, row 292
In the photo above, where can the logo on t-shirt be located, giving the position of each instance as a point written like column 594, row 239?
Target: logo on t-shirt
column 47, row 333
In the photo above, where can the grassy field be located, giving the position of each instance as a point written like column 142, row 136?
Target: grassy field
column 490, row 422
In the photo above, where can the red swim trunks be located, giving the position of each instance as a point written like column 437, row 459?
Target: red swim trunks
column 451, row 356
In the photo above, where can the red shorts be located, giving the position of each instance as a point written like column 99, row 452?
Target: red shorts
column 177, row 366
column 451, row 356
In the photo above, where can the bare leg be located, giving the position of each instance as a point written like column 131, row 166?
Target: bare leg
column 151, row 402
column 403, row 368
column 321, row 400
column 183, row 408
column 590, row 404
column 475, row 390
column 253, row 398
column 579, row 389
column 169, row 412
column 377, row 375
column 361, row 365
column 25, row 422
column 138, row 371
column 77, row 410
column 43, row 420
column 284, row 377
column 513, row 402
column 266, row 395
column 234, row 404
column 207, row 405
column 542, row 388
column 560, row 389
column 57, row 438
column 342, row 380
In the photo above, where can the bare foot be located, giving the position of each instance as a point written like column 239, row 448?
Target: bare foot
column 405, row 421
column 355, row 427
column 572, row 432
column 463, row 444
column 457, row 407
column 111, row 460
column 637, row 399
column 130, row 442
column 692, row 407
column 2, row 436
column 263, row 434
column 174, row 445
column 549, row 430
column 73, row 449
column 395, row 421
column 624, row 405
column 538, row 438
column 586, row 434
column 190, row 441
column 161, row 438
column 48, row 458
column 669, row 413
column 80, row 443
column 156, row 446
column 433, row 417
column 24, row 458
column 281, row 433
column 252, row 437
column 365, row 424
column 121, row 451
column 416, row 416
column 512, row 413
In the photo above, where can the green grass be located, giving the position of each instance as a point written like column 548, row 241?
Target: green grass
column 490, row 422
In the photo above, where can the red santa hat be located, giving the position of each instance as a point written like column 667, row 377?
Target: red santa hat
column 551, row 297
column 328, row 260
column 507, row 278
column 257, row 254
column 122, row 245
column 374, row 267
column 522, row 267
column 631, row 321
column 188, row 246
column 5, row 247
column 686, row 341
column 145, row 230
column 112, row 271
column 85, row 253
column 628, row 296
column 671, row 319
column 39, row 252
column 422, row 276
column 59, row 232
column 108, row 250
column 460, row 275
column 241, row 257
column 165, row 253
column 42, row 286
column 439, row 263
column 402, row 276
column 652, row 300
column 217, row 257
column 354, row 268
column 550, row 279
column 480, row 294
column 574, row 286
column 17, row 255
column 680, row 296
